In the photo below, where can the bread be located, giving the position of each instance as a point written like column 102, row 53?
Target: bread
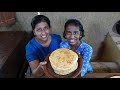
column 63, row 61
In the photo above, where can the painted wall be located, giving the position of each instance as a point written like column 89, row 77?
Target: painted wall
column 111, row 50
column 96, row 24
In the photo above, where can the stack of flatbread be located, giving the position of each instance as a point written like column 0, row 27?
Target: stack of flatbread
column 63, row 61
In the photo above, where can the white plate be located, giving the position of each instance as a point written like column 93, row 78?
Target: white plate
column 115, row 77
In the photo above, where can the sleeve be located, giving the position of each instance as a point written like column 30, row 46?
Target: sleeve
column 87, row 53
column 60, row 39
column 30, row 54
column 63, row 45
column 57, row 37
column 84, row 69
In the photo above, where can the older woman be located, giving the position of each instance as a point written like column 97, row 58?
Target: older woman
column 41, row 45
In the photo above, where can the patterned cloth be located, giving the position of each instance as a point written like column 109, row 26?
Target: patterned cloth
column 85, row 51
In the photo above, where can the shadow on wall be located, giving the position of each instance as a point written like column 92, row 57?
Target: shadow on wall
column 101, row 49
column 95, row 35
column 110, row 49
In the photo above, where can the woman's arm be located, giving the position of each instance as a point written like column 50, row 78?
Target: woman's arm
column 87, row 53
column 37, row 68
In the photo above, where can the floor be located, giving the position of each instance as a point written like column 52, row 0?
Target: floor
column 101, row 75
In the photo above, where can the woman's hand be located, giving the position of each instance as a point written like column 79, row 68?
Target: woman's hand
column 42, row 64
column 39, row 71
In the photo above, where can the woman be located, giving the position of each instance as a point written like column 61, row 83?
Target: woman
column 41, row 45
column 73, row 33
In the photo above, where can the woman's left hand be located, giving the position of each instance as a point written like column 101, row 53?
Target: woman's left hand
column 42, row 64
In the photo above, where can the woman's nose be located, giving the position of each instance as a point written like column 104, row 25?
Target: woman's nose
column 72, row 35
column 43, row 32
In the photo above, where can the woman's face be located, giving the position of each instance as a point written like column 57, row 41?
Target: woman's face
column 72, row 34
column 42, row 31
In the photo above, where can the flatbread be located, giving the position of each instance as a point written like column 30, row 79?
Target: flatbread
column 63, row 61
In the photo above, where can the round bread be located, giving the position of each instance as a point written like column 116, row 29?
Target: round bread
column 63, row 61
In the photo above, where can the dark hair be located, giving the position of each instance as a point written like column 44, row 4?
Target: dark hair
column 76, row 23
column 40, row 18
column 118, row 27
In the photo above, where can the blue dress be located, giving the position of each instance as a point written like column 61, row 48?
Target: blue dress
column 85, row 51
column 35, row 51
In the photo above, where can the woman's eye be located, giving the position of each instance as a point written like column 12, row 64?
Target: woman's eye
column 68, row 32
column 46, row 28
column 76, row 33
column 39, row 30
